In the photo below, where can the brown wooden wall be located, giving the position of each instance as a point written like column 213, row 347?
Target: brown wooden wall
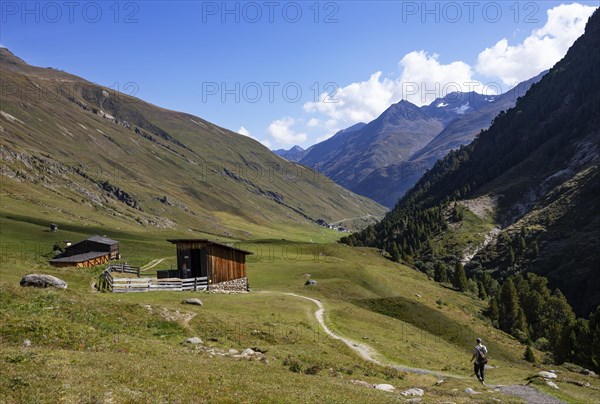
column 84, row 264
column 225, row 264
column 93, row 262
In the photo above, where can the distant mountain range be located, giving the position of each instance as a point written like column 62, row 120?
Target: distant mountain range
column 524, row 196
column 87, row 154
column 293, row 154
column 385, row 158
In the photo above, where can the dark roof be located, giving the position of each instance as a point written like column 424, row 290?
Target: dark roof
column 199, row 240
column 102, row 240
column 81, row 257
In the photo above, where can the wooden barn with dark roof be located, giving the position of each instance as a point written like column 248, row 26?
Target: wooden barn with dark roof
column 198, row 258
column 95, row 250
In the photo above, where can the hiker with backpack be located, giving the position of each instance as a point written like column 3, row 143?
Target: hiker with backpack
column 480, row 357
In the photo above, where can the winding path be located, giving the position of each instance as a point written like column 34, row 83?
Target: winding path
column 365, row 351
column 529, row 394
column 152, row 263
column 367, row 216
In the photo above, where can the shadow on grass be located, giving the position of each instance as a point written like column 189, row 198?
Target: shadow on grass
column 422, row 317
column 69, row 227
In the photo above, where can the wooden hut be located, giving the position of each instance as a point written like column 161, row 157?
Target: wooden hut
column 95, row 250
column 220, row 263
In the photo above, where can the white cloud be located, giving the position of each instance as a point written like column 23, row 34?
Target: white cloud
column 423, row 77
column 356, row 102
column 245, row 132
column 422, row 80
column 539, row 51
column 313, row 122
column 283, row 134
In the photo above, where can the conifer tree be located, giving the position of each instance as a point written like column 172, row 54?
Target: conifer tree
column 594, row 340
column 511, row 256
column 508, row 306
column 559, row 314
column 482, row 294
column 535, row 250
column 460, row 278
column 520, row 328
column 473, row 287
column 440, row 274
column 522, row 244
column 396, row 256
column 493, row 311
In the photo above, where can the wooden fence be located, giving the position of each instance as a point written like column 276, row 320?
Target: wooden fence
column 124, row 268
column 121, row 285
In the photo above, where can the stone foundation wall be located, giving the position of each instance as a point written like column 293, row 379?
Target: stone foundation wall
column 236, row 285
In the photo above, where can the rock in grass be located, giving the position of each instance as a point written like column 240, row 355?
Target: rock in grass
column 552, row 384
column 385, row 387
column 43, row 281
column 194, row 301
column 414, row 392
column 193, row 341
column 469, row 390
column 588, row 372
column 247, row 352
column 310, row 282
column 362, row 383
column 546, row 375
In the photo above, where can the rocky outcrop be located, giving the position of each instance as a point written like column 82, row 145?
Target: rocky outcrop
column 120, row 195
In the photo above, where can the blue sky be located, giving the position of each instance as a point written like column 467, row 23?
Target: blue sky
column 265, row 68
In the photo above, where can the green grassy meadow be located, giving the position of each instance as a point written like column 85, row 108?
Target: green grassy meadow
column 88, row 346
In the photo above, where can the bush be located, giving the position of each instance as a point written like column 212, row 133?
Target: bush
column 572, row 367
column 313, row 369
column 520, row 335
column 293, row 364
column 541, row 344
column 528, row 355
column 392, row 373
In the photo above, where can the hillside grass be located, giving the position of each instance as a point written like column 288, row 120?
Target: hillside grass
column 97, row 347
column 176, row 171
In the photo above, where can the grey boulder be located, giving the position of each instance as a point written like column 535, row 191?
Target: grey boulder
column 43, row 281
column 414, row 392
column 194, row 301
column 546, row 375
